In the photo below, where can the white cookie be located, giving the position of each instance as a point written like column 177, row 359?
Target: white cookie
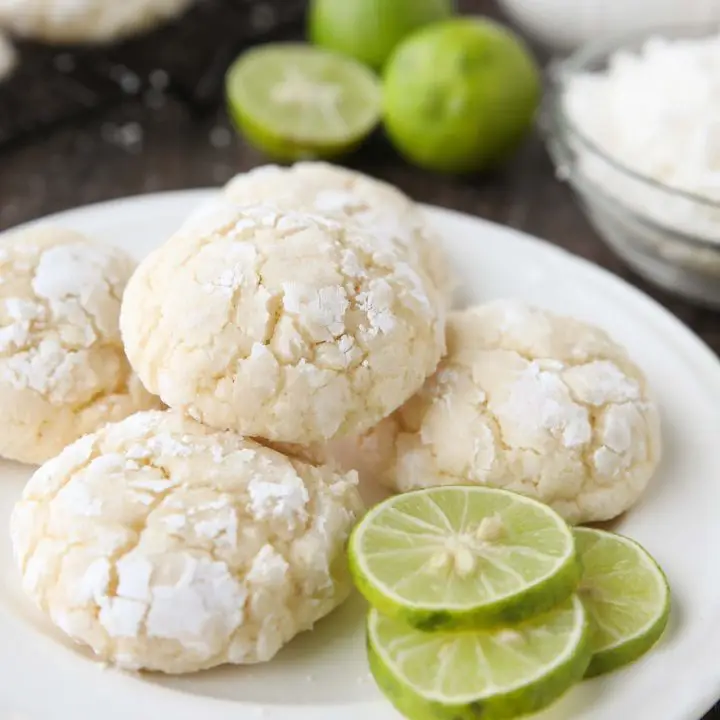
column 63, row 370
column 86, row 21
column 346, row 195
column 164, row 545
column 281, row 325
column 530, row 401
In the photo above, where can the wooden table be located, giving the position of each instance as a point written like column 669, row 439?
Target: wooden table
column 167, row 148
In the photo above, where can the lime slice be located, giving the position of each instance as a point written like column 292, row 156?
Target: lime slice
column 489, row 674
column 294, row 101
column 626, row 595
column 463, row 557
column 369, row 30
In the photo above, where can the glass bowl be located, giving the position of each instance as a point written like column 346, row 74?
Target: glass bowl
column 668, row 236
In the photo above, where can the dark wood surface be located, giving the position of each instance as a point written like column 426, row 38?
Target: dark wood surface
column 86, row 162
column 167, row 145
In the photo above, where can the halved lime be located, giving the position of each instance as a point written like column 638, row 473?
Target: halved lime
column 490, row 674
column 626, row 595
column 294, row 101
column 463, row 557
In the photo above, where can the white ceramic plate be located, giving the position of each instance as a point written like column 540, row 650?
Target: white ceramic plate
column 323, row 675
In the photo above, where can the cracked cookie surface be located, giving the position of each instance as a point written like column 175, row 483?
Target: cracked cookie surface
column 281, row 325
column 346, row 195
column 530, row 401
column 63, row 370
column 164, row 545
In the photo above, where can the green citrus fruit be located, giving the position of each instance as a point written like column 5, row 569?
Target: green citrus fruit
column 492, row 674
column 463, row 557
column 369, row 30
column 626, row 595
column 460, row 96
column 296, row 102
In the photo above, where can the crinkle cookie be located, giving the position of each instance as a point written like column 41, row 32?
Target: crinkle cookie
column 281, row 325
column 63, row 370
column 530, row 401
column 346, row 195
column 164, row 545
column 86, row 21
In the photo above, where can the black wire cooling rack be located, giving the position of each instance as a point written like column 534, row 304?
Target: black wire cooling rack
column 186, row 58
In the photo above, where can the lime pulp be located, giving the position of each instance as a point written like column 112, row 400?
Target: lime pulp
column 294, row 101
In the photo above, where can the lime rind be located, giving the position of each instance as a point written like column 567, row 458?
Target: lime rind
column 610, row 656
column 369, row 31
column 527, row 695
column 530, row 598
column 297, row 102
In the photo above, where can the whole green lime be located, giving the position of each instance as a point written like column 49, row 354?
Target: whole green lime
column 459, row 96
column 369, row 30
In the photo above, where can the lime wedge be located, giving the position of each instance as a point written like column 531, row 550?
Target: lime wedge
column 463, row 557
column 295, row 101
column 626, row 595
column 489, row 674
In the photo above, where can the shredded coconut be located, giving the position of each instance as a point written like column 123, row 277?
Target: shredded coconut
column 656, row 112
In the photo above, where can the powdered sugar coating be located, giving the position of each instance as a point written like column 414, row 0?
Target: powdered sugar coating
column 71, row 21
column 346, row 195
column 534, row 402
column 63, row 370
column 249, row 319
column 211, row 549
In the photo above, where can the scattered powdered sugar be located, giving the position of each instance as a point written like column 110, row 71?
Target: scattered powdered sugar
column 227, row 282
column 377, row 304
column 286, row 500
column 221, row 527
column 121, row 618
column 78, row 499
column 601, row 382
column 324, row 308
column 335, row 201
column 206, row 594
column 134, row 572
column 71, row 270
column 269, row 568
column 14, row 336
column 153, row 484
column 94, row 583
column 22, row 310
column 165, row 444
column 541, row 400
column 73, row 301
column 175, row 523
column 351, row 266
